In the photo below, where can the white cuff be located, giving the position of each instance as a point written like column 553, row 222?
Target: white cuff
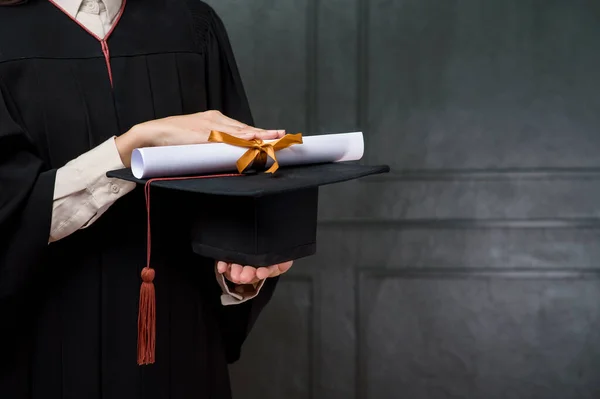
column 82, row 192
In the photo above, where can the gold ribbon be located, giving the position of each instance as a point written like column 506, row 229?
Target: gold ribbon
column 258, row 150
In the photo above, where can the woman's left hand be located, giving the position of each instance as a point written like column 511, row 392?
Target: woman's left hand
column 239, row 274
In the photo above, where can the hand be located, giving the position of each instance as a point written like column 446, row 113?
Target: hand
column 239, row 274
column 186, row 129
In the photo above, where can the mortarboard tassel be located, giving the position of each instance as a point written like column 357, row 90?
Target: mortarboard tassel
column 147, row 307
column 147, row 319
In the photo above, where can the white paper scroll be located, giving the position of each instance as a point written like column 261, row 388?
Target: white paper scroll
column 218, row 157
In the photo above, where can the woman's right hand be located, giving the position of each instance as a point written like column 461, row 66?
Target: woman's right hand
column 186, row 129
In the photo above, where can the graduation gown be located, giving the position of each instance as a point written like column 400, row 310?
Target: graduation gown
column 68, row 310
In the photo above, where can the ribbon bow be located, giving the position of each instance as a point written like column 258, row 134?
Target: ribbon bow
column 258, row 150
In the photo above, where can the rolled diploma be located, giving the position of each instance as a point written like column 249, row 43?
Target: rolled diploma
column 150, row 162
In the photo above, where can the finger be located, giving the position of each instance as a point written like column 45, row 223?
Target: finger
column 247, row 133
column 263, row 273
column 215, row 120
column 235, row 273
column 222, row 267
column 222, row 127
column 248, row 274
column 274, row 271
column 256, row 132
column 271, row 134
column 285, row 266
column 252, row 133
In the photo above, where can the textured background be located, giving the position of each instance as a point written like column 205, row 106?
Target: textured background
column 470, row 271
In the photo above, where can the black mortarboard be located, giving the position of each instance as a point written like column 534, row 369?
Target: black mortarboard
column 255, row 219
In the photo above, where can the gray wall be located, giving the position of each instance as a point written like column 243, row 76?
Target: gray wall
column 471, row 271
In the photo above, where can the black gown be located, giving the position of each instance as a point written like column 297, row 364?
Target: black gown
column 68, row 310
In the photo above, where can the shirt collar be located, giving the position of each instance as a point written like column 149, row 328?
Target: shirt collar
column 112, row 8
column 72, row 7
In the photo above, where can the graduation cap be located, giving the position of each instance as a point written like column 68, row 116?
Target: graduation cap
column 256, row 219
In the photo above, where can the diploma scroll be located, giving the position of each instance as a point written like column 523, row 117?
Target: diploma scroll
column 152, row 162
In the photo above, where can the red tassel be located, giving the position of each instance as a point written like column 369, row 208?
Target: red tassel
column 147, row 319
column 147, row 307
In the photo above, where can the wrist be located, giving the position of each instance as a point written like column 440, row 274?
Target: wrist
column 128, row 142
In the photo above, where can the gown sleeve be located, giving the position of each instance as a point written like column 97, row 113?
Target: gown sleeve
column 26, row 194
column 226, row 94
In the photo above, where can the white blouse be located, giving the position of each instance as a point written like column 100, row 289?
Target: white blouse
column 82, row 192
